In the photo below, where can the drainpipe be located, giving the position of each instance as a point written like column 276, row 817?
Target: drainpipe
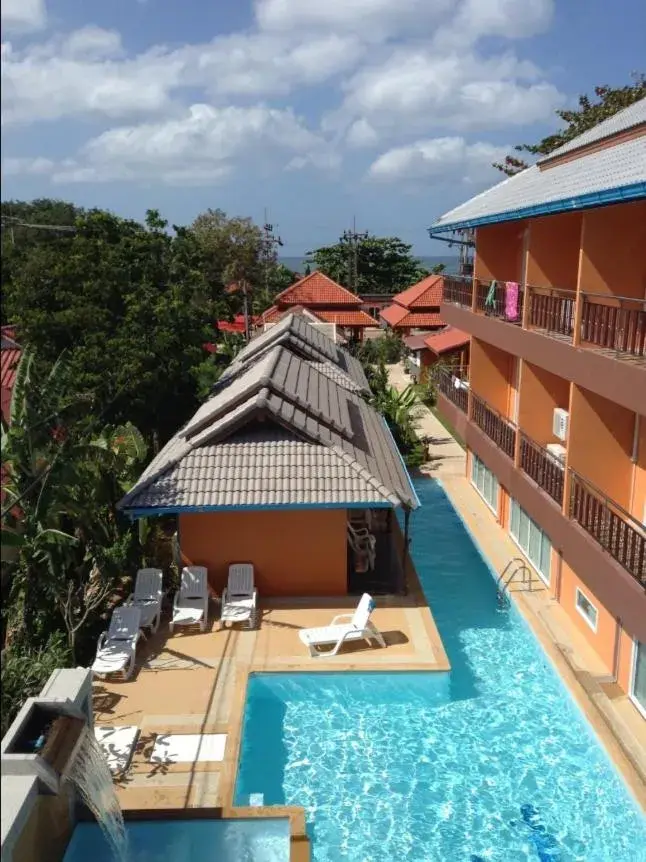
column 617, row 649
column 633, row 458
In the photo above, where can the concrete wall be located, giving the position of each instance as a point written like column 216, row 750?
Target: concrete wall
column 600, row 444
column 46, row 833
column 294, row 552
column 637, row 508
column 613, row 259
column 553, row 251
column 604, row 639
column 499, row 251
column 540, row 393
column 491, row 374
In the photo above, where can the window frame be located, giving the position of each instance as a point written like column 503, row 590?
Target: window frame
column 578, row 593
column 480, row 469
column 641, row 708
column 545, row 578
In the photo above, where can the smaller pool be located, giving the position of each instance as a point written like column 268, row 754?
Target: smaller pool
column 253, row 840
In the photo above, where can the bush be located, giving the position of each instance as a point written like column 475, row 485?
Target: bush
column 25, row 670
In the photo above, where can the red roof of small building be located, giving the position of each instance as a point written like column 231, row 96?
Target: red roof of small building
column 237, row 324
column 9, row 358
column 316, row 289
column 349, row 317
column 446, row 340
column 401, row 318
column 427, row 293
column 415, row 342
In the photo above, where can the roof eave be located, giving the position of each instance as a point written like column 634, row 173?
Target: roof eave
column 634, row 191
column 157, row 511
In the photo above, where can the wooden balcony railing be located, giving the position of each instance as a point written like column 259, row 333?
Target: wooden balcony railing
column 552, row 310
column 494, row 425
column 614, row 322
column 543, row 468
column 458, row 290
column 614, row 528
column 454, row 387
column 498, row 300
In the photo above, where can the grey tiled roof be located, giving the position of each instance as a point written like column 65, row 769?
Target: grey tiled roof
column 623, row 120
column 614, row 168
column 294, row 331
column 278, row 431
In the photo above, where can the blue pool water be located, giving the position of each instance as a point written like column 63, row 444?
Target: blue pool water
column 492, row 761
column 187, row 841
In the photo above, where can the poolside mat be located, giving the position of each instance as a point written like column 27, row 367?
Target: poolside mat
column 188, row 747
column 118, row 744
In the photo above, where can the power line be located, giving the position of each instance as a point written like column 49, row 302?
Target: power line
column 353, row 239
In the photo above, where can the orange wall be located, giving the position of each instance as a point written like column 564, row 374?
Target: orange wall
column 613, row 260
column 639, row 481
column 600, row 444
column 491, row 374
column 540, row 393
column 499, row 251
column 299, row 552
column 603, row 640
column 553, row 259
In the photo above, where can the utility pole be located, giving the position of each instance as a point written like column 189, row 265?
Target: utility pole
column 353, row 239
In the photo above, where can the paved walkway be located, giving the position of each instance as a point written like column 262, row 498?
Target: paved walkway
column 446, row 456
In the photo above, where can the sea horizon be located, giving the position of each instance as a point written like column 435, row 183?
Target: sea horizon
column 297, row 264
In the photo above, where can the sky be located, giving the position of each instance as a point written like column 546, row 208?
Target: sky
column 388, row 112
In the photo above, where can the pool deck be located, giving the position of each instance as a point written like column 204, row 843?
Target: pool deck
column 613, row 716
column 196, row 683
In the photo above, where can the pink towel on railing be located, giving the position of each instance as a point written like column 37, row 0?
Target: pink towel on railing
column 511, row 300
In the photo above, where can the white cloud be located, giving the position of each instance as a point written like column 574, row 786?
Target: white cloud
column 449, row 158
column 14, row 166
column 202, row 146
column 23, row 15
column 372, row 19
column 417, row 90
column 511, row 19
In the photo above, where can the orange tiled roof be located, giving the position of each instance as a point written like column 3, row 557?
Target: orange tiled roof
column 401, row 318
column 427, row 293
column 317, row 289
column 9, row 358
column 447, row 339
column 352, row 317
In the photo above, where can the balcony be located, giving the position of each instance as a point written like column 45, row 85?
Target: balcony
column 543, row 468
column 494, row 425
column 493, row 301
column 611, row 527
column 617, row 324
column 458, row 290
column 455, row 387
column 552, row 311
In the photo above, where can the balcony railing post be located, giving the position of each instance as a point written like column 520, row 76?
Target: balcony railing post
column 578, row 316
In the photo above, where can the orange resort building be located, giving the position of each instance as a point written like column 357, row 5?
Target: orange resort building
column 448, row 347
column 280, row 468
column 553, row 411
column 417, row 307
column 325, row 304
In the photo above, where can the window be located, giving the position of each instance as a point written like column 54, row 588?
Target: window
column 532, row 541
column 638, row 688
column 587, row 610
column 485, row 482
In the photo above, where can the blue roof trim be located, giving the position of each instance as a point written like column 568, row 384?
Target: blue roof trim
column 190, row 510
column 635, row 191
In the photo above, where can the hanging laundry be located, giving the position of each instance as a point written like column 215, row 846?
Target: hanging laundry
column 490, row 300
column 511, row 300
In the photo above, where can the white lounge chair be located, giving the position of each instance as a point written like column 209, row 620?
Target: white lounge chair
column 239, row 597
column 116, row 648
column 337, row 633
column 148, row 597
column 363, row 543
column 191, row 602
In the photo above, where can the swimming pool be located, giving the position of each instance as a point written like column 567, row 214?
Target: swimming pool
column 176, row 840
column 492, row 761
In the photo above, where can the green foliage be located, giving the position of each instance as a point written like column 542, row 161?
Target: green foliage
column 588, row 114
column 64, row 474
column 387, row 348
column 401, row 410
column 208, row 372
column 384, row 264
column 25, row 669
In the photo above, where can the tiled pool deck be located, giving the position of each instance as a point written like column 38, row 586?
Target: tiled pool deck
column 196, row 683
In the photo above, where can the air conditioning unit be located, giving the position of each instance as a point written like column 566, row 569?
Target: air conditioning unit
column 560, row 423
column 557, row 452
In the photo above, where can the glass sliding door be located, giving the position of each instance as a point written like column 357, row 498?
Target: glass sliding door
column 638, row 686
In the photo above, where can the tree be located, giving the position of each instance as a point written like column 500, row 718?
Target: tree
column 589, row 113
column 132, row 307
column 383, row 264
